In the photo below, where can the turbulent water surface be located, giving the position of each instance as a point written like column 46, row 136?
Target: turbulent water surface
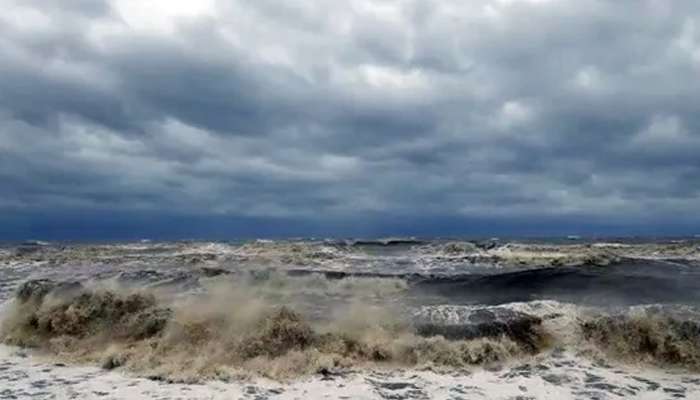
column 393, row 318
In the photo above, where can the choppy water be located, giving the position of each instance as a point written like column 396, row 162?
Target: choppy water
column 466, row 292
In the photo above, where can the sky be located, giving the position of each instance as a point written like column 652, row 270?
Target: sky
column 208, row 118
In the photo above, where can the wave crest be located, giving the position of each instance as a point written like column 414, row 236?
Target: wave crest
column 284, row 327
column 665, row 339
column 229, row 333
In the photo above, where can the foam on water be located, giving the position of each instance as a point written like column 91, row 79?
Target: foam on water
column 367, row 296
column 559, row 376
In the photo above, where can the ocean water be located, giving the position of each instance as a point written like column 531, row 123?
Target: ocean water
column 392, row 319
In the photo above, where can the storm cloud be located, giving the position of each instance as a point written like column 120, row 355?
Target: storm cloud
column 408, row 111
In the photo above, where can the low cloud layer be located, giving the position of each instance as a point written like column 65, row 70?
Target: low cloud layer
column 325, row 110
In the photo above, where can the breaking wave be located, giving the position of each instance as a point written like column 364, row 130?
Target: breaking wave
column 282, row 327
column 227, row 333
column 659, row 335
column 191, row 311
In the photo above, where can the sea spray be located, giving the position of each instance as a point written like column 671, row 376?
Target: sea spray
column 274, row 325
column 228, row 333
column 649, row 335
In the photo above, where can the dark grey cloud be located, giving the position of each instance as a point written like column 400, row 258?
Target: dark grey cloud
column 326, row 110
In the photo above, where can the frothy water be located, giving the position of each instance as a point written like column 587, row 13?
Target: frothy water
column 362, row 319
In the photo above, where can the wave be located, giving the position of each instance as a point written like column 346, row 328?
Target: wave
column 296, row 253
column 388, row 256
column 636, row 282
column 282, row 327
column 385, row 242
column 194, row 311
column 661, row 335
column 229, row 332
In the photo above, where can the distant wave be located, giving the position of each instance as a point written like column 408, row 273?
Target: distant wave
column 623, row 284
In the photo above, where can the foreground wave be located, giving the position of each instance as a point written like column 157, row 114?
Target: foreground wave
column 229, row 332
column 241, row 327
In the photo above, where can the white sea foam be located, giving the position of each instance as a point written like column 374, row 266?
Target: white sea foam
column 556, row 377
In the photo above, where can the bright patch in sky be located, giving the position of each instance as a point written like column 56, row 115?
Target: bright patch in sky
column 161, row 15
